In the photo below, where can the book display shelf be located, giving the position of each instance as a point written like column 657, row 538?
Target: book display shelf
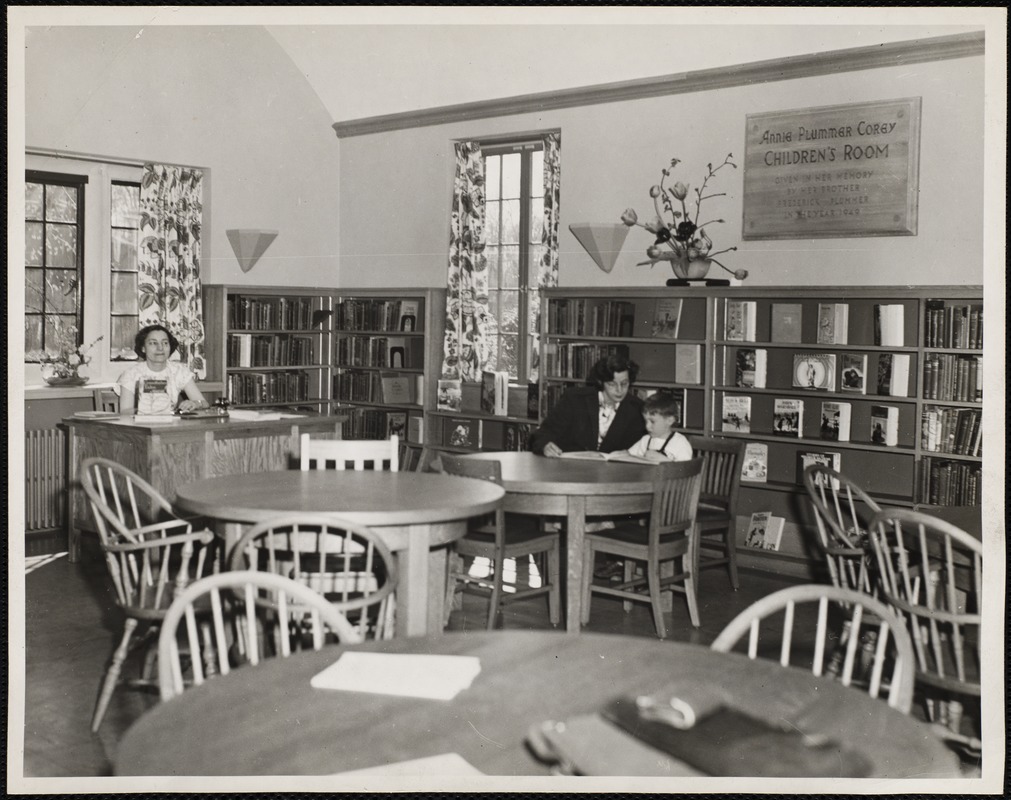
column 884, row 383
column 385, row 343
column 473, row 416
column 269, row 346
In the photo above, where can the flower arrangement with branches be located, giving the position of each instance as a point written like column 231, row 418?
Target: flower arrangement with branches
column 680, row 237
column 68, row 357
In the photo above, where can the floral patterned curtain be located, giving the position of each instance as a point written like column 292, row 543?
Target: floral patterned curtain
column 169, row 258
column 465, row 346
column 547, row 269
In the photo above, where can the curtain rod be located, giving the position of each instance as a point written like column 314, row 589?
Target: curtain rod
column 120, row 162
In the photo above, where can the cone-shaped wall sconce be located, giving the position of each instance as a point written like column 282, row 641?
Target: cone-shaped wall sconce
column 249, row 244
column 602, row 241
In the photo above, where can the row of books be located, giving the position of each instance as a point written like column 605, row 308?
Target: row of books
column 828, row 372
column 356, row 314
column 268, row 387
column 493, row 394
column 574, row 359
column 955, row 326
column 392, row 352
column 952, row 430
column 947, row 376
column 950, row 483
column 755, row 464
column 788, row 419
column 269, row 350
column 786, row 323
column 477, row 434
column 273, row 313
column 578, row 317
column 371, row 423
column 391, row 388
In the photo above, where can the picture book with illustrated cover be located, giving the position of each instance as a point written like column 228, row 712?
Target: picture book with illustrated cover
column 893, row 374
column 755, row 467
column 494, row 392
column 397, row 388
column 853, row 373
column 788, row 417
column 688, row 364
column 889, row 324
column 408, row 316
column 396, row 424
column 667, row 319
column 835, row 421
column 750, row 367
column 741, row 320
column 885, row 425
column 831, row 460
column 736, row 416
column 833, row 323
column 462, row 433
column 765, row 531
column 450, row 394
column 814, row 371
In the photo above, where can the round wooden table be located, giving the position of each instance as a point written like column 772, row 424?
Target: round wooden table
column 268, row 720
column 574, row 489
column 414, row 512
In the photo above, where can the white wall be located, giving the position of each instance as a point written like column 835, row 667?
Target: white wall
column 225, row 98
column 395, row 187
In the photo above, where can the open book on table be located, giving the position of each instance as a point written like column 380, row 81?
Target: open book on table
column 596, row 455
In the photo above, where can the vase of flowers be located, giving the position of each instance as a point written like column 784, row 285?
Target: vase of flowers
column 681, row 239
column 63, row 367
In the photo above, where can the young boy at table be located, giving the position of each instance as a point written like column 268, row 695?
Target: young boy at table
column 661, row 412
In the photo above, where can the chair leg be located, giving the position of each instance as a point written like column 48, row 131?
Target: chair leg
column 731, row 548
column 555, row 594
column 588, row 555
column 628, row 572
column 691, row 591
column 653, row 582
column 496, row 592
column 112, row 674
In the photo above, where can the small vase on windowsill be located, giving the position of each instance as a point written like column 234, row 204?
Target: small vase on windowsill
column 55, row 375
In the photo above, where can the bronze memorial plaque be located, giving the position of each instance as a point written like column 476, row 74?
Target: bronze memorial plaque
column 847, row 170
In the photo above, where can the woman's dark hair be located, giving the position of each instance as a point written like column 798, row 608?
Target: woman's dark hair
column 603, row 371
column 142, row 334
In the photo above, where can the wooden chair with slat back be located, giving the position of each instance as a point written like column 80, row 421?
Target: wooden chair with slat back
column 235, row 618
column 345, row 562
column 490, row 539
column 106, row 400
column 842, row 512
column 877, row 652
column 381, row 454
column 671, row 534
column 717, row 514
column 151, row 555
column 932, row 575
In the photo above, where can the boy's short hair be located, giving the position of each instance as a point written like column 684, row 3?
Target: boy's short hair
column 663, row 403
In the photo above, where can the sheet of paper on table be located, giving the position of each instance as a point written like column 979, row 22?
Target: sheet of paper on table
column 432, row 766
column 434, row 677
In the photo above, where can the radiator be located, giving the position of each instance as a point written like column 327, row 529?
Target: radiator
column 45, row 479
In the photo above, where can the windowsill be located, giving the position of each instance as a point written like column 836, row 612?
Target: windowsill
column 44, row 391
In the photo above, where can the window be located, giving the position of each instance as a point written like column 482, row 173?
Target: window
column 54, row 259
column 514, row 217
column 125, row 238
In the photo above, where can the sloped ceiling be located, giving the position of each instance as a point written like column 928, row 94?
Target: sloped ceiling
column 367, row 70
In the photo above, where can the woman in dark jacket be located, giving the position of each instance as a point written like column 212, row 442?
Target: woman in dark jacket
column 603, row 415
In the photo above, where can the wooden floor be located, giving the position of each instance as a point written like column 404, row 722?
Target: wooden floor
column 73, row 624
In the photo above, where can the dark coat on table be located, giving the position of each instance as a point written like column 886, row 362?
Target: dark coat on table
column 574, row 422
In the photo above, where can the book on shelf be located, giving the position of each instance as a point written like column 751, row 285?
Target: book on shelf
column 741, row 319
column 408, row 316
column 755, row 466
column 494, row 392
column 516, row 436
column 765, row 531
column 833, row 323
column 397, row 388
column 416, row 429
column 835, row 421
column 788, row 417
column 396, row 424
column 751, row 365
column 596, row 455
column 736, row 415
column 462, row 433
column 785, row 323
column 893, row 374
column 831, row 460
column 396, row 352
column 885, row 425
column 814, row 371
column 853, row 373
column 889, row 324
column 688, row 363
column 667, row 318
column 450, row 394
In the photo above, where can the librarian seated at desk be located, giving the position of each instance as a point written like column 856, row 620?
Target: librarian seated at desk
column 154, row 386
column 603, row 415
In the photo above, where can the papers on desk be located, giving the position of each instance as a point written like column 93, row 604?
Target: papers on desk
column 96, row 414
column 252, row 415
column 434, row 766
column 433, row 677
column 155, row 419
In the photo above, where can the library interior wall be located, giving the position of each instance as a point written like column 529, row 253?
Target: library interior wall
column 225, row 98
column 396, row 186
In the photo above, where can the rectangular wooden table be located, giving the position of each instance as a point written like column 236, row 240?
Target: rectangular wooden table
column 168, row 455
